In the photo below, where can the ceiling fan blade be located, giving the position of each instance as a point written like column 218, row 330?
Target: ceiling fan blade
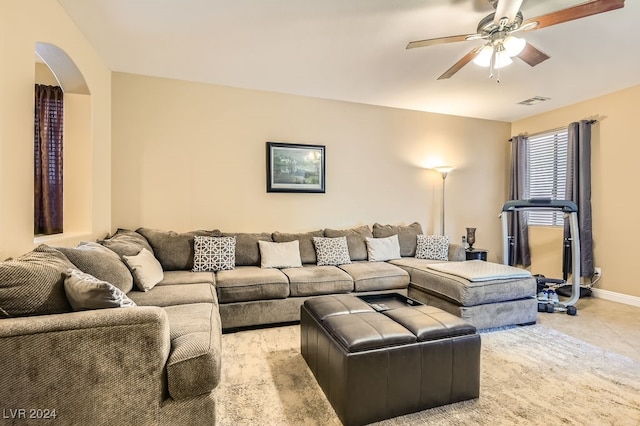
column 440, row 40
column 461, row 63
column 507, row 9
column 576, row 12
column 532, row 56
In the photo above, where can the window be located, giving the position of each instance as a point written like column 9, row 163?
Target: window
column 547, row 166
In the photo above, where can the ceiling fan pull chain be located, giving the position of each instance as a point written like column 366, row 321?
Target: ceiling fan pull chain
column 492, row 63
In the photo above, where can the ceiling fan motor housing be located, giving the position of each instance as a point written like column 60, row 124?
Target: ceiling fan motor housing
column 487, row 25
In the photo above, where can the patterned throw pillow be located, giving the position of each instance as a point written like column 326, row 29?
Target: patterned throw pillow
column 331, row 251
column 432, row 247
column 213, row 254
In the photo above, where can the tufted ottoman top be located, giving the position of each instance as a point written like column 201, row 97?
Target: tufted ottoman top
column 357, row 326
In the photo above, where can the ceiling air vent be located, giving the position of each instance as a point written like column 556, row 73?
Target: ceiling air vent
column 534, row 100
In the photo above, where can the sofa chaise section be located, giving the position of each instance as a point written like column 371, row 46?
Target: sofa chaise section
column 92, row 367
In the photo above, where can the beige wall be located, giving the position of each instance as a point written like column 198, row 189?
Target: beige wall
column 22, row 24
column 189, row 155
column 615, row 151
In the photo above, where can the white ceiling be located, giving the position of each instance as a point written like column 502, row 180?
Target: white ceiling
column 354, row 50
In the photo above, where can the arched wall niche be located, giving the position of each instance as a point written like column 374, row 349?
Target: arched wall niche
column 78, row 149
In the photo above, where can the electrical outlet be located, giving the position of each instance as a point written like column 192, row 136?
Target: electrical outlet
column 597, row 271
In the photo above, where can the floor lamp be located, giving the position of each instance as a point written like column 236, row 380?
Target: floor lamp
column 444, row 171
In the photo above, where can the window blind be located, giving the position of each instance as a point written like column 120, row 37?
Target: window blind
column 547, row 165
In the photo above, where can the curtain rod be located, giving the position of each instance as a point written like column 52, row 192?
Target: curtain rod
column 557, row 129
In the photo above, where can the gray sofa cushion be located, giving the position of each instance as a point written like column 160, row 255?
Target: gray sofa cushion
column 407, row 236
column 174, row 251
column 356, row 240
column 33, row 284
column 312, row 280
column 187, row 277
column 126, row 243
column 247, row 283
column 370, row 276
column 169, row 295
column 307, row 249
column 193, row 367
column 101, row 262
column 247, row 250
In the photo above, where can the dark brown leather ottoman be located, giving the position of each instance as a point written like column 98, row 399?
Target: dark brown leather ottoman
column 398, row 358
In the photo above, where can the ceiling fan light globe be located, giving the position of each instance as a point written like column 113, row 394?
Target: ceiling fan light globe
column 483, row 58
column 502, row 60
column 513, row 45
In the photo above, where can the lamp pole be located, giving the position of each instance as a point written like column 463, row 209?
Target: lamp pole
column 444, row 171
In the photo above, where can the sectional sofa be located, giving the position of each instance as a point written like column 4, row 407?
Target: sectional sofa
column 155, row 358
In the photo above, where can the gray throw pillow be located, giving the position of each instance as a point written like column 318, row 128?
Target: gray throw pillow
column 126, row 243
column 383, row 249
column 84, row 292
column 247, row 250
column 214, row 254
column 33, row 284
column 356, row 240
column 100, row 262
column 174, row 251
column 307, row 249
column 331, row 251
column 280, row 255
column 145, row 268
column 407, row 236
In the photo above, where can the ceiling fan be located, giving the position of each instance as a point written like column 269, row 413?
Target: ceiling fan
column 497, row 29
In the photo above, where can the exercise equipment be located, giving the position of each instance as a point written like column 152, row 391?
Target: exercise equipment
column 570, row 209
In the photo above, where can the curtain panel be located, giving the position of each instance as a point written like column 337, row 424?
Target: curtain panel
column 48, row 129
column 518, row 228
column 578, row 189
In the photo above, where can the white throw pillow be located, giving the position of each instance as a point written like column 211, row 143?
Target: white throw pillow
column 381, row 249
column 84, row 291
column 331, row 251
column 432, row 247
column 213, row 254
column 146, row 270
column 280, row 255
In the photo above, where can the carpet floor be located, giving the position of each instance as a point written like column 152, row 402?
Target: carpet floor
column 530, row 375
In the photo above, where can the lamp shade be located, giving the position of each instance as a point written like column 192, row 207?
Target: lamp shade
column 443, row 169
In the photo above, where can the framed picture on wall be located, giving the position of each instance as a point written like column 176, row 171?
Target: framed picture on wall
column 295, row 167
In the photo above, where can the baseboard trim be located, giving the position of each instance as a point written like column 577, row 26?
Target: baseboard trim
column 616, row 297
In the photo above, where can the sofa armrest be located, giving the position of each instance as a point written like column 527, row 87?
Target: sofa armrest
column 94, row 367
column 456, row 252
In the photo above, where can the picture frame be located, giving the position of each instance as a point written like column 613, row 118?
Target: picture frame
column 295, row 167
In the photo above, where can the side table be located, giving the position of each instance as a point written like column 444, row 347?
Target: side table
column 476, row 254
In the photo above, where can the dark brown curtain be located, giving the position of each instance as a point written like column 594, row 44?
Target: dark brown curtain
column 518, row 228
column 48, row 124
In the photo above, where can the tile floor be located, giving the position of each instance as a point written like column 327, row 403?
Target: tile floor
column 610, row 325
